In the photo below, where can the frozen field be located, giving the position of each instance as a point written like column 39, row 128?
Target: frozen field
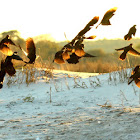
column 71, row 106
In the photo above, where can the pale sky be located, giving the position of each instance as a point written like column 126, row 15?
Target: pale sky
column 54, row 17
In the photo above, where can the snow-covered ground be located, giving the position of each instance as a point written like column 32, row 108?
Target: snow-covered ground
column 71, row 106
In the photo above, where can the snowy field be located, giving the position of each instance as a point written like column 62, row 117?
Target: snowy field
column 70, row 106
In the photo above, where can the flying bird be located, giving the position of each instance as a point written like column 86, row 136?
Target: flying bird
column 4, row 46
column 7, row 67
column 7, row 41
column 135, row 76
column 127, row 49
column 132, row 31
column 106, row 18
column 75, row 48
column 30, row 51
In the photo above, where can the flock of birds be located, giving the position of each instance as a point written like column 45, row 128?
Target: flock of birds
column 7, row 64
column 71, row 52
column 74, row 50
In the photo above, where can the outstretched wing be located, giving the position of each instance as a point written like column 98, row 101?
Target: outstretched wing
column 121, row 49
column 88, row 26
column 133, row 52
column 107, row 16
column 31, row 49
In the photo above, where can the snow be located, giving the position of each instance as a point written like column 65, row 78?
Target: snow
column 70, row 106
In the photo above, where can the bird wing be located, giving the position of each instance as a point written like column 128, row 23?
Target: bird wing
column 133, row 52
column 59, row 58
column 121, row 49
column 88, row 26
column 86, row 29
column 107, row 16
column 6, row 50
column 16, row 57
column 82, row 32
column 65, row 55
column 132, row 30
column 30, row 48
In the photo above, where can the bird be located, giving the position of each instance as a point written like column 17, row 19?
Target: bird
column 74, row 59
column 7, row 41
column 76, row 46
column 7, row 51
column 127, row 49
column 135, row 76
column 4, row 46
column 132, row 31
column 7, row 67
column 30, row 51
column 107, row 16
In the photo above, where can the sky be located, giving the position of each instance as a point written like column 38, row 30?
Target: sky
column 54, row 17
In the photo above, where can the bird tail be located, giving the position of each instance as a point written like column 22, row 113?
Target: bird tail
column 88, row 55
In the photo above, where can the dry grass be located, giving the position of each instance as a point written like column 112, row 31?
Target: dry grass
column 43, row 69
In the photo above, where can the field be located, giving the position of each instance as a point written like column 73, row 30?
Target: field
column 40, row 104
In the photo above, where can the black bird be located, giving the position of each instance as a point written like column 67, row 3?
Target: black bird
column 127, row 49
column 3, row 46
column 7, row 41
column 135, row 76
column 7, row 67
column 75, row 46
column 30, row 51
column 132, row 31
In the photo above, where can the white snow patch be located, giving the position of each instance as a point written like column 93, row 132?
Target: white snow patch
column 72, row 106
